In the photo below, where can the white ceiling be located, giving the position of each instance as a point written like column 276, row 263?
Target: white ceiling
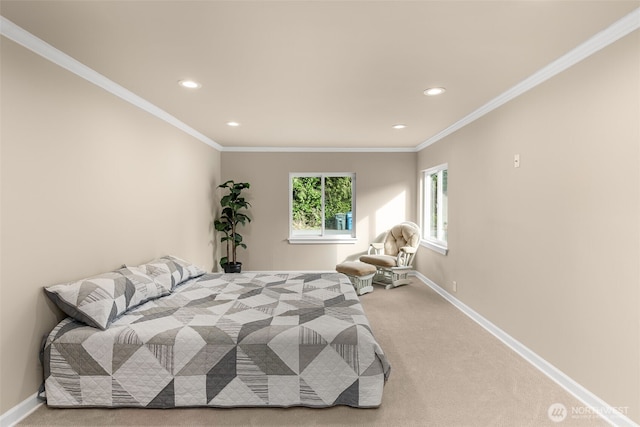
column 307, row 74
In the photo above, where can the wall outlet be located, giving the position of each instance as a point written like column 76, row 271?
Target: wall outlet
column 454, row 286
column 516, row 160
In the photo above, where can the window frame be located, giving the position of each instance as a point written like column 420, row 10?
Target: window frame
column 438, row 245
column 348, row 237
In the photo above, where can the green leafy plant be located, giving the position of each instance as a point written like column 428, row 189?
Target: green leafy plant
column 232, row 216
column 307, row 200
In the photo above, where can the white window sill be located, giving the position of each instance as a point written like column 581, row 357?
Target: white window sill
column 321, row 240
column 438, row 247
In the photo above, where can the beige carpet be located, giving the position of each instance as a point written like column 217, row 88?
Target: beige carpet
column 445, row 371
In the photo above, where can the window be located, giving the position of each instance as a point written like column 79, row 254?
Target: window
column 322, row 207
column 435, row 208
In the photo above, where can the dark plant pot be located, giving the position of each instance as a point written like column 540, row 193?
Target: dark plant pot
column 233, row 267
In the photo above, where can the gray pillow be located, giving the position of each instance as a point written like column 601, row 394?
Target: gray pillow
column 171, row 271
column 99, row 300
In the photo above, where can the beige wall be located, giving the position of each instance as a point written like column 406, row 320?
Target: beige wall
column 385, row 195
column 550, row 252
column 89, row 182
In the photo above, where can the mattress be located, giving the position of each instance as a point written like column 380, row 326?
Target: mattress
column 224, row 340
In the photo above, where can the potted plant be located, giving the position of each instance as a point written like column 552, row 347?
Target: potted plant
column 231, row 217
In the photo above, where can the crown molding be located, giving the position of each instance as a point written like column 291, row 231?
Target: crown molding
column 24, row 38
column 318, row 150
column 604, row 38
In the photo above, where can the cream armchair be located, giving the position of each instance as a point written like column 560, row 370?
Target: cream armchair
column 393, row 258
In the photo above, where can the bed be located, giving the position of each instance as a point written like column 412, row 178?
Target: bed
column 218, row 340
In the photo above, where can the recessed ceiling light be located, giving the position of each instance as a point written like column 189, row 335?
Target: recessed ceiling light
column 399, row 126
column 233, row 124
column 189, row 84
column 432, row 91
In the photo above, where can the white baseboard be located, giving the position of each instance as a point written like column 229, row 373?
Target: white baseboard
column 594, row 404
column 20, row 411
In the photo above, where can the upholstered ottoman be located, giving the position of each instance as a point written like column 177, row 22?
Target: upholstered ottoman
column 360, row 274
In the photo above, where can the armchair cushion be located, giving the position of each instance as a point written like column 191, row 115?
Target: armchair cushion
column 379, row 260
column 404, row 234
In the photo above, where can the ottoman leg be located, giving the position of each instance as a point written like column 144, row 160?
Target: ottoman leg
column 363, row 284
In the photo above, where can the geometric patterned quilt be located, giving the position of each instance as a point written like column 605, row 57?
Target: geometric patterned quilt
column 224, row 340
